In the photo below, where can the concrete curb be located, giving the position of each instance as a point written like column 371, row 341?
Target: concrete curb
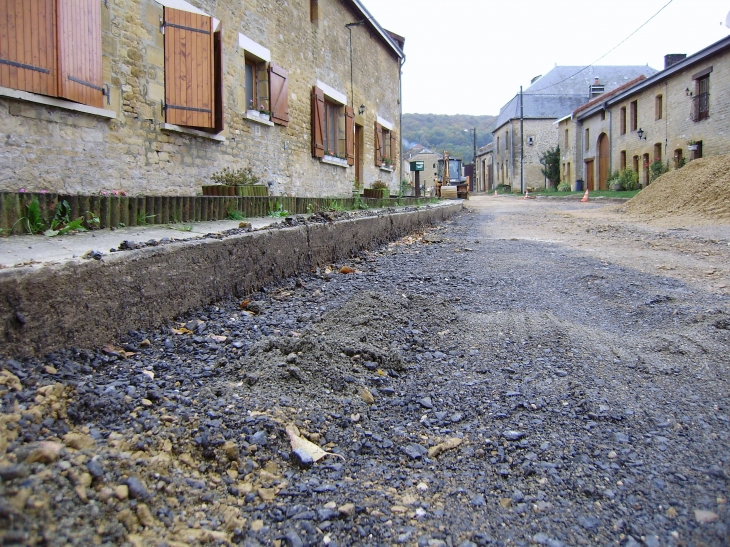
column 87, row 304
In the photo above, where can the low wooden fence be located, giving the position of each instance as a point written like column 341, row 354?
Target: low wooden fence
column 114, row 211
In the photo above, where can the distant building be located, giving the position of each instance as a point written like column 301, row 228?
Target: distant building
column 427, row 177
column 547, row 99
column 485, row 169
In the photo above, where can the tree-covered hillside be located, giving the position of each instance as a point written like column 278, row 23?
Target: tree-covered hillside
column 440, row 132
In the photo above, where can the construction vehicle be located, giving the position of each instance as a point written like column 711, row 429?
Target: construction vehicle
column 451, row 183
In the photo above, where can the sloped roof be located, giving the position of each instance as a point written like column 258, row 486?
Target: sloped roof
column 565, row 88
column 602, row 98
column 385, row 34
column 573, row 80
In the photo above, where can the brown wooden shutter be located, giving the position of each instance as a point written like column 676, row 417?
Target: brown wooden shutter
column 28, row 46
column 189, row 69
column 79, row 52
column 378, row 144
column 279, row 95
column 317, row 122
column 350, row 135
column 393, row 147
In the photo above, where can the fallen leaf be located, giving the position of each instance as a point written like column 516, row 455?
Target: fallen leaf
column 346, row 270
column 182, row 330
column 367, row 396
column 110, row 349
column 245, row 303
column 309, row 447
column 448, row 444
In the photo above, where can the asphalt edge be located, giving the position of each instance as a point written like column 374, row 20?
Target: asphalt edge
column 86, row 304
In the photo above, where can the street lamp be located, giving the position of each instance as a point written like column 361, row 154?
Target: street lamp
column 474, row 160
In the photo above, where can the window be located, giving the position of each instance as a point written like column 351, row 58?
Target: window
column 658, row 107
column 587, row 143
column 385, row 146
column 252, row 100
column 603, row 115
column 622, row 161
column 53, row 48
column 566, row 139
column 193, row 73
column 622, row 120
column 506, row 140
column 314, row 11
column 497, row 144
column 701, row 100
column 678, row 158
column 333, row 128
column 634, row 113
column 658, row 152
column 635, row 164
column 265, row 84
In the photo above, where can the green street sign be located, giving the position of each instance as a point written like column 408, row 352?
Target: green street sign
column 417, row 166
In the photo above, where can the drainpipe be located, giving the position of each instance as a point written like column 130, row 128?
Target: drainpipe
column 610, row 138
column 666, row 123
column 400, row 121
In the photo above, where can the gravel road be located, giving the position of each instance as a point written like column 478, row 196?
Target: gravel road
column 530, row 373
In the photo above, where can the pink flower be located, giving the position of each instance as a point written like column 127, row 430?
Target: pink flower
column 115, row 193
column 44, row 191
column 21, row 191
column 122, row 193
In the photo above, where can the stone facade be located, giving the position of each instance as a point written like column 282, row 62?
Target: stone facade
column 56, row 145
column 666, row 106
column 485, row 181
column 429, row 175
column 567, row 140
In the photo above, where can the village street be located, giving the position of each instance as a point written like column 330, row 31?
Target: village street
column 533, row 372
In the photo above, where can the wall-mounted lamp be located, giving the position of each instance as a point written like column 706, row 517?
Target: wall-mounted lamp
column 361, row 111
column 640, row 132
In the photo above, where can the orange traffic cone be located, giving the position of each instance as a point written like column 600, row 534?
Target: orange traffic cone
column 585, row 196
column 495, row 192
column 527, row 194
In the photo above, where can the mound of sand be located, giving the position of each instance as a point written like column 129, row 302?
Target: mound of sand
column 698, row 193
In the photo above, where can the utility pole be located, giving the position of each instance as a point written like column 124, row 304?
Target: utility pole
column 522, row 143
column 475, row 188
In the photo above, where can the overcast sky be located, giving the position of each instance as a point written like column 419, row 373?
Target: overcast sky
column 471, row 56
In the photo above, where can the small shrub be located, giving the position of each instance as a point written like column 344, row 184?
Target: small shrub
column 33, row 219
column 656, row 170
column 564, row 186
column 629, row 179
column 379, row 185
column 235, row 214
column 235, row 177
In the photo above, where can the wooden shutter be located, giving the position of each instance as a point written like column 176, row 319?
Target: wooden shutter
column 350, row 135
column 28, row 46
column 317, row 122
column 218, row 121
column 189, row 69
column 279, row 95
column 79, row 52
column 378, row 144
column 393, row 147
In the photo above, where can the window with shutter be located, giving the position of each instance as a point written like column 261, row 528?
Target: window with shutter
column 378, row 144
column 318, row 124
column 79, row 52
column 350, row 135
column 279, row 95
column 393, row 148
column 190, row 68
column 28, row 46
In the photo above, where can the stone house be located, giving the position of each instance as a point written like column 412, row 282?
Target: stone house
column 429, row 175
column 674, row 116
column 533, row 113
column 153, row 96
column 485, row 169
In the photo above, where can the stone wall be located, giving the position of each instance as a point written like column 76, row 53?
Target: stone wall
column 542, row 136
column 65, row 151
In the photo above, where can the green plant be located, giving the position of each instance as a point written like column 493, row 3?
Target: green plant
column 310, row 208
column 235, row 177
column 681, row 163
column 335, row 205
column 564, row 186
column 357, row 202
column 235, row 214
column 656, row 170
column 142, row 219
column 74, row 225
column 278, row 211
column 179, row 227
column 379, row 185
column 550, row 160
column 33, row 219
column 629, row 179
column 91, row 220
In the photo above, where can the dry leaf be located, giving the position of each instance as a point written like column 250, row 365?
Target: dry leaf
column 182, row 330
column 448, row 444
column 346, row 270
column 309, row 447
column 110, row 349
column 245, row 303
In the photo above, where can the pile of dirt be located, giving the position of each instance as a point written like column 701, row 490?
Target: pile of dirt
column 696, row 193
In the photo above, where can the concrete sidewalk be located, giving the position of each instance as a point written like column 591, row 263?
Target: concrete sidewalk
column 29, row 250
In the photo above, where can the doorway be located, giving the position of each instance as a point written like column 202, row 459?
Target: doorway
column 589, row 175
column 603, row 161
column 358, row 156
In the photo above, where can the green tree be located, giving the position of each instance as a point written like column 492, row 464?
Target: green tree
column 550, row 160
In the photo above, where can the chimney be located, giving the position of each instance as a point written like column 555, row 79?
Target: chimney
column 673, row 59
column 597, row 88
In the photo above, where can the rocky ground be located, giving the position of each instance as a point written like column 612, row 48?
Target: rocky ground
column 518, row 376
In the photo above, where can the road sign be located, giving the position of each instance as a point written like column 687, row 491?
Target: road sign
column 417, row 166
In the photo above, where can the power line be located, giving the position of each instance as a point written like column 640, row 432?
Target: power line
column 609, row 51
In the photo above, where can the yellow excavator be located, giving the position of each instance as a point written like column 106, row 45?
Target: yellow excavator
column 451, row 184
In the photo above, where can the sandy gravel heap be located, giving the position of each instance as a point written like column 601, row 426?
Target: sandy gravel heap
column 699, row 191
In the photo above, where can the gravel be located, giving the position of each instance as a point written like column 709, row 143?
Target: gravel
column 590, row 400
